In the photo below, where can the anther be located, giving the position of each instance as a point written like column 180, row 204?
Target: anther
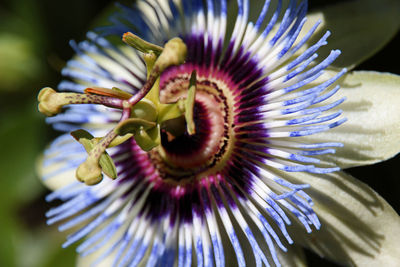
column 49, row 102
column 174, row 53
column 90, row 171
column 52, row 102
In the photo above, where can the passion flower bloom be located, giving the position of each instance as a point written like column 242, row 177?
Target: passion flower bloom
column 220, row 143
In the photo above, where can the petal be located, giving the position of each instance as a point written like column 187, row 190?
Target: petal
column 359, row 28
column 294, row 257
column 372, row 132
column 58, row 163
column 358, row 226
column 84, row 261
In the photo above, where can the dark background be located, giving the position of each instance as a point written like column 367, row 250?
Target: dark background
column 34, row 47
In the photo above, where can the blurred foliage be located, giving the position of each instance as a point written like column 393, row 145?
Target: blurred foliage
column 20, row 36
column 34, row 47
column 18, row 64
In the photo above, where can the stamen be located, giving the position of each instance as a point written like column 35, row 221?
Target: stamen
column 90, row 171
column 51, row 102
column 114, row 92
column 173, row 54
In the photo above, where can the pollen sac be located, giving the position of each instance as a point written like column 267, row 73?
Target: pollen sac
column 174, row 54
column 113, row 92
column 49, row 102
column 90, row 173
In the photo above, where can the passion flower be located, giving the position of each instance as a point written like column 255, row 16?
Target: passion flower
column 201, row 129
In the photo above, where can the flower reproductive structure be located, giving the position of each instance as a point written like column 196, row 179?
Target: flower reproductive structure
column 184, row 131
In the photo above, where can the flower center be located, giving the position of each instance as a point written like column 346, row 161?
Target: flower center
column 187, row 155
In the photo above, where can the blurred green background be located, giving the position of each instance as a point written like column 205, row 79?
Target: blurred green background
column 34, row 46
column 34, row 37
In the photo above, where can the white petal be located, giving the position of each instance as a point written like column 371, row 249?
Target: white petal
column 294, row 257
column 58, row 181
column 359, row 28
column 90, row 259
column 86, row 261
column 58, row 164
column 372, row 132
column 358, row 226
